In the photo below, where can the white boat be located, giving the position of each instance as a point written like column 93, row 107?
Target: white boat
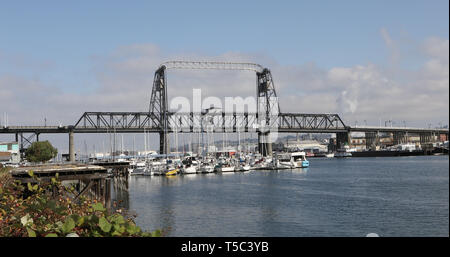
column 190, row 168
column 329, row 155
column 291, row 160
column 224, row 164
column 224, row 169
column 244, row 167
column 299, row 160
column 157, row 170
column 138, row 168
column 280, row 164
column 206, row 168
column 343, row 152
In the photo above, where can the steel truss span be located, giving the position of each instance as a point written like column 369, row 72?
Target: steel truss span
column 212, row 65
column 267, row 101
column 133, row 122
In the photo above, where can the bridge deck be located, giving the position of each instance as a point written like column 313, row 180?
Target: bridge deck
column 139, row 122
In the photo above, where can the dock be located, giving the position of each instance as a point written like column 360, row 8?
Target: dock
column 65, row 172
column 89, row 180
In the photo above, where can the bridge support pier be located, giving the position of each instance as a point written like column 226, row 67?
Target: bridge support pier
column 443, row 137
column 372, row 140
column 264, row 144
column 342, row 139
column 71, row 147
column 163, row 143
column 21, row 143
column 426, row 138
column 399, row 138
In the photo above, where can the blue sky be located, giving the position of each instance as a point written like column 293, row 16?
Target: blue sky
column 328, row 33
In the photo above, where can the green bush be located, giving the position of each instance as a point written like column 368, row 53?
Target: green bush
column 46, row 210
column 40, row 152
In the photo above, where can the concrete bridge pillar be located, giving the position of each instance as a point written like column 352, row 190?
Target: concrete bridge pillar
column 264, row 144
column 71, row 147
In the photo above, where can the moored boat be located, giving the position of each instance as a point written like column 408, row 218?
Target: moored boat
column 291, row 160
column 190, row 166
column 172, row 172
column 244, row 167
column 206, row 168
column 225, row 169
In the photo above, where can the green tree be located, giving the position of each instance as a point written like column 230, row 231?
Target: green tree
column 40, row 152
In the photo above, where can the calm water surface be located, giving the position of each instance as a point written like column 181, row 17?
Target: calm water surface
column 391, row 196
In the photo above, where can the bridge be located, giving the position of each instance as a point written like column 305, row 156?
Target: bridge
column 267, row 119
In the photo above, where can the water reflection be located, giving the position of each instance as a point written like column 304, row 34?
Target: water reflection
column 166, row 213
column 162, row 201
column 268, row 207
column 119, row 194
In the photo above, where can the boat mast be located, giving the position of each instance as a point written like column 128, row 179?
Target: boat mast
column 145, row 142
column 239, row 141
column 134, row 144
column 176, row 140
column 122, row 143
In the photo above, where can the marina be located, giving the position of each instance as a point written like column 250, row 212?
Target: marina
column 229, row 159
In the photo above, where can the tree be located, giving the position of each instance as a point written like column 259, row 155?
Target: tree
column 40, row 152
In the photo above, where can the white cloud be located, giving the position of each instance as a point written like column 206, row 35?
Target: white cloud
column 437, row 48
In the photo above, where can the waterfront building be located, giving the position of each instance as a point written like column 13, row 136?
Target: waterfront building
column 9, row 153
column 358, row 143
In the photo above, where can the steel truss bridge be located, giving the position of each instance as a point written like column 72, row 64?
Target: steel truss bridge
column 266, row 120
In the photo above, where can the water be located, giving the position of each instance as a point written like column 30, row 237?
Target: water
column 391, row 196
